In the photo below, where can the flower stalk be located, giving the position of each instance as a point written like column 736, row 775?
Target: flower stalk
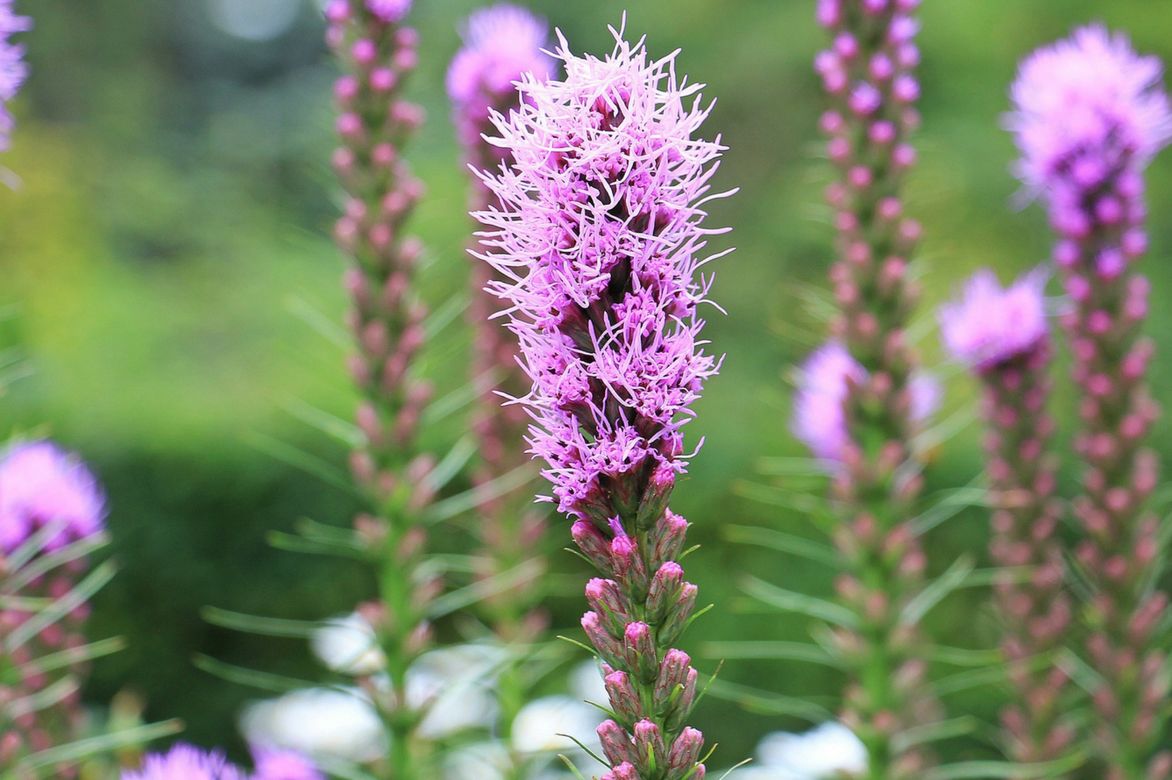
column 377, row 52
column 501, row 44
column 1089, row 115
column 1002, row 335
column 868, row 72
column 596, row 235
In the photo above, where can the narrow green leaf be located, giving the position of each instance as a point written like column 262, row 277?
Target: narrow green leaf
column 302, row 544
column 43, row 698
column 952, row 504
column 258, row 625
column 936, row 591
column 63, row 755
column 63, row 659
column 453, row 402
column 252, row 678
column 960, row 656
column 452, row 463
column 325, row 326
column 34, row 545
column 299, row 459
column 570, row 766
column 792, row 601
column 769, row 650
column 934, row 732
column 343, row 430
column 474, row 497
column 479, row 591
column 780, row 497
column 991, row 770
column 43, row 564
column 445, row 314
column 782, row 542
column 763, row 702
column 81, row 594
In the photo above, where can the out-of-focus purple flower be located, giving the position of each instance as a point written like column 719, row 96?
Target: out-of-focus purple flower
column 184, row 762
column 598, row 241
column 1085, row 107
column 389, row 11
column 989, row 325
column 13, row 69
column 280, row 764
column 501, row 43
column 43, row 486
column 819, row 419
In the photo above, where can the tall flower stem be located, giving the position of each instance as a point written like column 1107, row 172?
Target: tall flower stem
column 1003, row 336
column 501, row 44
column 377, row 52
column 598, row 245
column 868, row 73
column 1090, row 114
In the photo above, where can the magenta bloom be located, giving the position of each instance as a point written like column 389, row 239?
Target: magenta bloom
column 389, row 11
column 1086, row 107
column 40, row 485
column 598, row 242
column 501, row 43
column 990, row 325
column 279, row 764
column 819, row 419
column 184, row 762
column 13, row 69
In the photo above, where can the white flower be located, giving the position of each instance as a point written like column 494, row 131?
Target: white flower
column 320, row 722
column 456, row 687
column 479, row 761
column 538, row 725
column 586, row 683
column 348, row 645
column 828, row 751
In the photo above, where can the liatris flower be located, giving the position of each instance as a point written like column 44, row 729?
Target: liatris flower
column 824, row 384
column 501, row 44
column 13, row 70
column 51, row 509
column 598, row 238
column 184, row 762
column 1003, row 335
column 45, row 489
column 378, row 53
column 277, row 764
column 1090, row 114
column 868, row 72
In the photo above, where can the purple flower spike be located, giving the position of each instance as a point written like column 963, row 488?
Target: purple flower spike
column 389, row 11
column 990, row 325
column 1084, row 106
column 1089, row 115
column 42, row 486
column 501, row 44
column 820, row 403
column 13, row 69
column 599, row 242
column 184, row 762
column 596, row 238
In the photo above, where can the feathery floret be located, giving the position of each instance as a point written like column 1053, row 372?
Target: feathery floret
column 598, row 241
column 1087, row 107
column 820, row 401
column 42, row 486
column 990, row 325
column 13, row 69
column 184, row 762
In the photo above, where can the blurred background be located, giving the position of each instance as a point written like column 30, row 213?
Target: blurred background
column 168, row 273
